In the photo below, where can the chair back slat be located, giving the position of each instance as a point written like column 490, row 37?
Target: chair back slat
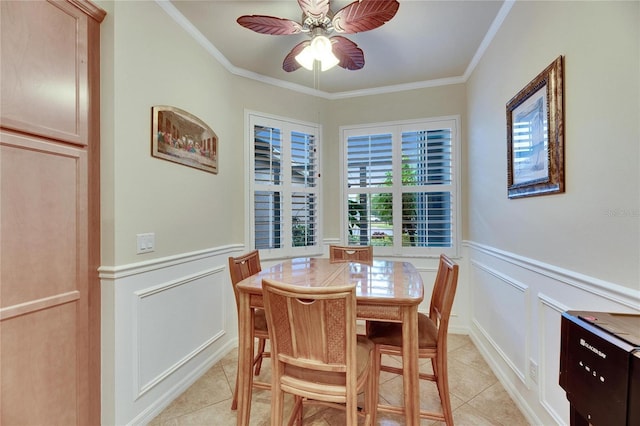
column 242, row 267
column 314, row 327
column 444, row 292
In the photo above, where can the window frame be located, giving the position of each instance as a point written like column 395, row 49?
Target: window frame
column 396, row 128
column 286, row 126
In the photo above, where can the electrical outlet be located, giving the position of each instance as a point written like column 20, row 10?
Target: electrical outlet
column 533, row 371
column 145, row 243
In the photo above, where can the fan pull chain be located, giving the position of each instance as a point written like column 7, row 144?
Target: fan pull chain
column 316, row 75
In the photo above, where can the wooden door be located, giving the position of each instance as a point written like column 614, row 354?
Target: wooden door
column 44, row 357
column 49, row 213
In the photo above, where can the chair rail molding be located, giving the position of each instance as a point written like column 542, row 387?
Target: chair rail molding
column 610, row 291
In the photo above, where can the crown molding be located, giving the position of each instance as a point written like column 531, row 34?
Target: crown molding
column 180, row 19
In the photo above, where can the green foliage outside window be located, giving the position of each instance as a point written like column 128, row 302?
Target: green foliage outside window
column 382, row 209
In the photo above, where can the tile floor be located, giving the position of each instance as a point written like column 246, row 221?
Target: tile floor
column 477, row 397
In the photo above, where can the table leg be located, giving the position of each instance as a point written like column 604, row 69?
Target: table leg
column 410, row 367
column 245, row 358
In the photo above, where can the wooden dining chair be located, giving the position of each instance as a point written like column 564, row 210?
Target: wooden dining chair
column 242, row 267
column 351, row 253
column 432, row 331
column 316, row 355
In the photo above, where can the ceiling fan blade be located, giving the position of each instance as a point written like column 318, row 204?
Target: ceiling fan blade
column 269, row 25
column 351, row 57
column 364, row 15
column 290, row 64
column 316, row 9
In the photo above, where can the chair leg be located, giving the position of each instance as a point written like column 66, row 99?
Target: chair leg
column 259, row 356
column 277, row 405
column 258, row 364
column 352, row 410
column 371, row 396
column 442, row 380
column 234, row 402
column 300, row 411
column 295, row 419
column 374, row 377
column 434, row 367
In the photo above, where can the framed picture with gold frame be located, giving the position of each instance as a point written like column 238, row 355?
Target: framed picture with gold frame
column 535, row 136
column 183, row 138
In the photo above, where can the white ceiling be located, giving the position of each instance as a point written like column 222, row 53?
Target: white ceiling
column 427, row 43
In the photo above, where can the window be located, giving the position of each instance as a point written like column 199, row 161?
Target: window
column 285, row 186
column 401, row 187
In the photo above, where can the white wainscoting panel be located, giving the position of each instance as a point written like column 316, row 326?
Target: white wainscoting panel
column 506, row 329
column 170, row 329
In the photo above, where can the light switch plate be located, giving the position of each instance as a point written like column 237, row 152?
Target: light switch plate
column 145, row 243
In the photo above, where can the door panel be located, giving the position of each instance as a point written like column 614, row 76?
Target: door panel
column 43, row 276
column 40, row 219
column 44, row 69
column 39, row 385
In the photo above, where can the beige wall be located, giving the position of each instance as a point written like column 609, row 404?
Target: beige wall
column 593, row 228
column 149, row 60
column 155, row 62
column 152, row 61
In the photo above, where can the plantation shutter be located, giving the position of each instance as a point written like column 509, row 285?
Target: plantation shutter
column 268, row 214
column 285, row 187
column 369, row 178
column 401, row 187
column 427, row 205
column 304, row 196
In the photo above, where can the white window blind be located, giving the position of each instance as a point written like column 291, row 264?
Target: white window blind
column 284, row 186
column 401, row 187
column 268, row 178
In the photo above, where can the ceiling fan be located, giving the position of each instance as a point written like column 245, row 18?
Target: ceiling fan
column 319, row 22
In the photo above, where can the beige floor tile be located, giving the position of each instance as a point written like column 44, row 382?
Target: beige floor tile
column 477, row 398
column 455, row 341
column 496, row 404
column 466, row 381
column 468, row 354
column 469, row 416
column 210, row 389
column 391, row 392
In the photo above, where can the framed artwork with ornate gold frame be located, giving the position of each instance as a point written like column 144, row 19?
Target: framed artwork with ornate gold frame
column 183, row 138
column 535, row 136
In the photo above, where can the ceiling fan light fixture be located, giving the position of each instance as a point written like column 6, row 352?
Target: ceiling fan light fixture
column 319, row 50
column 321, row 45
column 306, row 58
column 328, row 62
column 323, row 51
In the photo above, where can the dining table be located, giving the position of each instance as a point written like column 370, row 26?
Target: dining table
column 386, row 290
